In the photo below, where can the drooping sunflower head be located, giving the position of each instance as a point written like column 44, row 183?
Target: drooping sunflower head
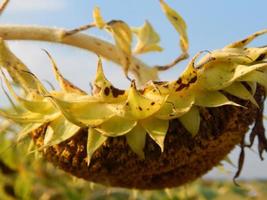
column 138, row 114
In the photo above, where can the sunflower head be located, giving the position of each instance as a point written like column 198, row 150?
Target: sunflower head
column 141, row 115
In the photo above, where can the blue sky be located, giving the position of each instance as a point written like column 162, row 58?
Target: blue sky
column 211, row 25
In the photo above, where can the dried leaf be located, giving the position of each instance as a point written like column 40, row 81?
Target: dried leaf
column 148, row 39
column 98, row 19
column 178, row 22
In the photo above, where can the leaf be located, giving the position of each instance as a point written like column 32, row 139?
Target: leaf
column 116, row 126
column 27, row 129
column 65, row 85
column 98, row 19
column 122, row 35
column 23, row 186
column 177, row 104
column 240, row 91
column 84, row 112
column 17, row 70
column 28, row 117
column 242, row 70
column 157, row 129
column 212, row 99
column 256, row 77
column 38, row 106
column 242, row 43
column 94, row 141
column 148, row 39
column 136, row 139
column 253, row 87
column 191, row 120
column 139, row 107
column 216, row 75
column 62, row 130
column 179, row 24
column 104, row 90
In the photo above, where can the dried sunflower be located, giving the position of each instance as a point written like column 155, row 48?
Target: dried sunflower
column 162, row 134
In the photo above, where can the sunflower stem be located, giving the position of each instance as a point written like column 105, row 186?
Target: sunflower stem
column 140, row 70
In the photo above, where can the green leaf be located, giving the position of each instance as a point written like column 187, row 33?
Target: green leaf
column 94, row 141
column 191, row 120
column 23, row 186
column 136, row 139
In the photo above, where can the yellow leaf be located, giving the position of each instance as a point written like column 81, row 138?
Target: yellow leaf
column 212, row 99
column 216, row 76
column 65, row 85
column 191, row 120
column 16, row 69
column 242, row 43
column 94, row 141
column 27, row 129
column 177, row 104
column 239, row 90
column 157, row 129
column 256, row 77
column 98, row 19
column 178, row 22
column 84, row 112
column 42, row 105
column 139, row 106
column 104, row 90
column 28, row 117
column 116, row 126
column 136, row 139
column 62, row 130
column 148, row 39
column 122, row 35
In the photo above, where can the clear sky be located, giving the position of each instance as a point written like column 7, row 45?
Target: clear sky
column 211, row 25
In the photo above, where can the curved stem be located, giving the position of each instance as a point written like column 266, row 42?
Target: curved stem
column 56, row 35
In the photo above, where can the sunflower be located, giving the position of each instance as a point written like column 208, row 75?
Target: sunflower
column 162, row 134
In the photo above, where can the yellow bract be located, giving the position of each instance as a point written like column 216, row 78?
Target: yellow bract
column 94, row 141
column 148, row 39
column 99, row 21
column 178, row 23
column 135, row 113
